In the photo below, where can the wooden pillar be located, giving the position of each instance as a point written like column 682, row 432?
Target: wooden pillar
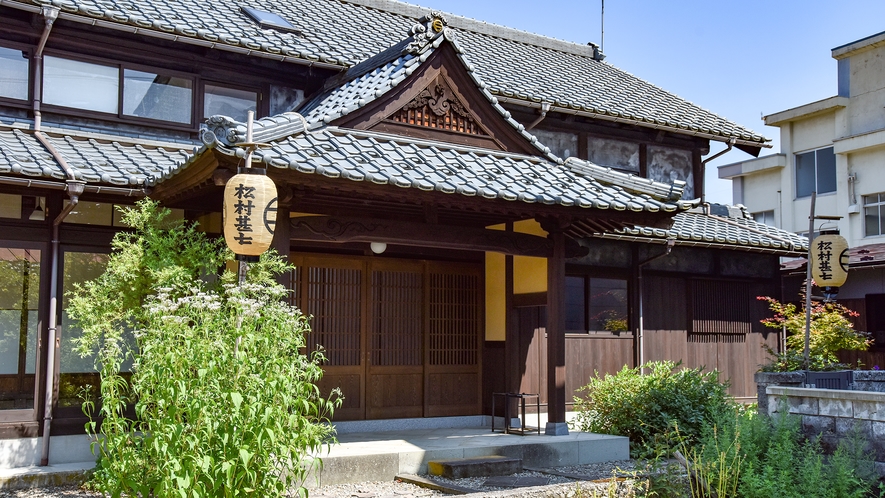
column 281, row 240
column 556, row 425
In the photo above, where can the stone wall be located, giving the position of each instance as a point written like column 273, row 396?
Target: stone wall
column 864, row 380
column 834, row 415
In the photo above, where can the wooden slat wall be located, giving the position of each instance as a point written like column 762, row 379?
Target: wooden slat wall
column 736, row 356
column 397, row 301
column 720, row 307
column 334, row 298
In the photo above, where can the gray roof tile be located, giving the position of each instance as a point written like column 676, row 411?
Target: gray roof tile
column 698, row 227
column 428, row 165
column 109, row 161
column 514, row 64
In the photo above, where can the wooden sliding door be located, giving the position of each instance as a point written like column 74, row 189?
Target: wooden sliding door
column 402, row 338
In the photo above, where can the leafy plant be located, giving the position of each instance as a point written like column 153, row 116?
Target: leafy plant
column 225, row 401
column 831, row 331
column 645, row 407
column 745, row 455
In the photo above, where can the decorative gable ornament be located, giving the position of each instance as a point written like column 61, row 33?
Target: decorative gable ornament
column 250, row 213
column 427, row 28
column 438, row 107
column 829, row 261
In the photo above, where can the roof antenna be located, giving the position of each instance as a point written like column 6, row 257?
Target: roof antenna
column 602, row 29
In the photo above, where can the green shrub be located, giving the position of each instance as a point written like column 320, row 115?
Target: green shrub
column 646, row 407
column 225, row 400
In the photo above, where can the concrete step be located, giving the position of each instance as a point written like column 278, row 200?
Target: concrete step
column 381, row 456
column 41, row 477
column 458, row 468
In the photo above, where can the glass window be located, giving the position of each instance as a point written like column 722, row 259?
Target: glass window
column 561, row 144
column 82, row 85
column 18, row 207
column 608, row 305
column 766, row 217
column 230, row 102
column 155, row 96
column 596, row 304
column 874, row 222
column 91, row 213
column 815, row 171
column 19, row 298
column 77, row 373
column 13, row 73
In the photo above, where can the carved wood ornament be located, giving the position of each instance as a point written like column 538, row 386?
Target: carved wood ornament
column 437, row 107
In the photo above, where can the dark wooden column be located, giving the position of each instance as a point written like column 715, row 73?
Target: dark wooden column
column 556, row 425
column 281, row 238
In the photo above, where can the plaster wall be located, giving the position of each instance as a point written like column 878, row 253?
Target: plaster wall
column 867, row 91
column 861, row 283
column 812, row 133
column 761, row 191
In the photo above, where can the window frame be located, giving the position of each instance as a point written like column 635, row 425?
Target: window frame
column 31, row 414
column 30, row 51
column 587, row 276
column 260, row 111
column 119, row 116
column 816, row 172
column 880, row 203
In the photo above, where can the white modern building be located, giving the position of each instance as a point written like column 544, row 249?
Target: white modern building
column 836, row 147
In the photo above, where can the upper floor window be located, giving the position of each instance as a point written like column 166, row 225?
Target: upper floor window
column 231, row 102
column 102, row 88
column 13, row 74
column 815, row 172
column 874, row 214
column 155, row 96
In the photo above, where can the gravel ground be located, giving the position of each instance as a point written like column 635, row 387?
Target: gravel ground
column 558, row 482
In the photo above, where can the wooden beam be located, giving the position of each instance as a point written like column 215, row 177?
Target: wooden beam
column 339, row 229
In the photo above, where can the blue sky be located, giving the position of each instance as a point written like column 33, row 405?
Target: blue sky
column 740, row 60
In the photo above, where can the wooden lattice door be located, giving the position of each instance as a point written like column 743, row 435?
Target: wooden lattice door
column 395, row 382
column 332, row 292
column 401, row 338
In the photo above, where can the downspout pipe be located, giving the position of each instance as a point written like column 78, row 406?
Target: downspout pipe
column 728, row 146
column 50, row 14
column 545, row 108
column 641, row 338
column 75, row 189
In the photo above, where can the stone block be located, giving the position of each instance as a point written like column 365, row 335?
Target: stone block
column 835, row 408
column 803, row 406
column 846, row 427
column 359, row 468
column 869, row 410
column 814, row 425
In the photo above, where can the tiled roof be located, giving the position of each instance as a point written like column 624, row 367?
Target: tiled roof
column 436, row 166
column 518, row 66
column 375, row 77
column 107, row 160
column 696, row 227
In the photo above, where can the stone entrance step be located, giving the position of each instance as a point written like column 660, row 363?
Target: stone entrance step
column 458, row 468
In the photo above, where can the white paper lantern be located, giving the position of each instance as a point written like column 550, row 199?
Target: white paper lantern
column 829, row 260
column 250, row 213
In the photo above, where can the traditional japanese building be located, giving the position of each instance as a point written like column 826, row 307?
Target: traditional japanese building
column 470, row 208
